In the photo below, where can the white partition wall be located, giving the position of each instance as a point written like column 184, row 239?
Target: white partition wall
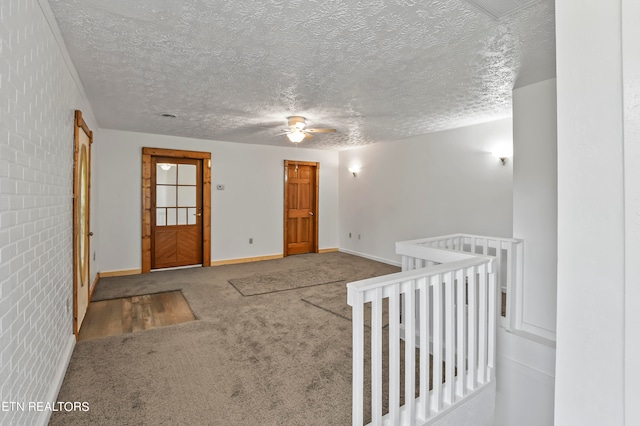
column 598, row 118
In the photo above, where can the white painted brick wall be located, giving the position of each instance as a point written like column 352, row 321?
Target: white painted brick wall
column 38, row 96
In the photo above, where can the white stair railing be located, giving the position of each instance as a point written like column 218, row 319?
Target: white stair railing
column 448, row 307
column 509, row 266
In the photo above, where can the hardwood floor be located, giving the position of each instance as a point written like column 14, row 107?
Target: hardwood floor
column 130, row 314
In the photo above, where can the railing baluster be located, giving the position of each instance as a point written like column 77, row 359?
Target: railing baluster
column 460, row 349
column 483, row 304
column 511, row 291
column 472, row 327
column 376, row 357
column 436, row 284
column 423, row 286
column 409, row 291
column 491, row 284
column 498, row 271
column 450, row 345
column 394, row 355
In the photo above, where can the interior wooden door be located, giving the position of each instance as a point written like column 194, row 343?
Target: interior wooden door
column 176, row 213
column 81, row 233
column 301, row 207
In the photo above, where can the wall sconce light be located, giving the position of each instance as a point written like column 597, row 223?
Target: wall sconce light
column 354, row 170
column 503, row 153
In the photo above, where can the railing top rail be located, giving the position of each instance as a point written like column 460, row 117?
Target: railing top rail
column 378, row 282
column 430, row 239
column 488, row 237
column 446, row 237
column 436, row 254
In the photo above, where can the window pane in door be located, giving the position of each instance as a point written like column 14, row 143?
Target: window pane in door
column 186, row 174
column 191, row 216
column 161, row 217
column 186, row 196
column 182, row 216
column 165, row 196
column 171, row 217
column 167, row 176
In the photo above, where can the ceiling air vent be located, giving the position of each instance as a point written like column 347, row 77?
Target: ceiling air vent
column 501, row 8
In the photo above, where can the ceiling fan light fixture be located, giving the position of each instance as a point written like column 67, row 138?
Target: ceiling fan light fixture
column 296, row 136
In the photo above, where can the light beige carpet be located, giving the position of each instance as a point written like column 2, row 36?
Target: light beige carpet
column 284, row 280
column 332, row 299
column 270, row 359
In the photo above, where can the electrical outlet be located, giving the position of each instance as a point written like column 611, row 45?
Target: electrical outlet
column 250, row 240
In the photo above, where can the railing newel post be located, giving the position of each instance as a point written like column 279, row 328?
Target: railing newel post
column 358, row 357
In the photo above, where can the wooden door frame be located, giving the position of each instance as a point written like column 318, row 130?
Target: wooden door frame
column 147, row 153
column 80, row 125
column 316, row 192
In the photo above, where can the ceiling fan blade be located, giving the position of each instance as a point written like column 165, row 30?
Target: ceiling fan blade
column 320, row 130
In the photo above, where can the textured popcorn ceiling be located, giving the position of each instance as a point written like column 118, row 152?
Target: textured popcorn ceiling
column 234, row 70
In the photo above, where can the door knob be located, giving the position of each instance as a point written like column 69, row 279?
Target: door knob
column 91, row 234
column 310, row 213
column 197, row 214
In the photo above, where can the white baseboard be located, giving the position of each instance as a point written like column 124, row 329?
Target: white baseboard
column 368, row 256
column 56, row 384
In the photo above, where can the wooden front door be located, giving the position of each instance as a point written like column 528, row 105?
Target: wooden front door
column 81, row 232
column 301, row 207
column 176, row 213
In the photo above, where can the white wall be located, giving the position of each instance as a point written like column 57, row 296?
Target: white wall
column 535, row 202
column 631, row 81
column 39, row 92
column 590, row 367
column 435, row 184
column 250, row 206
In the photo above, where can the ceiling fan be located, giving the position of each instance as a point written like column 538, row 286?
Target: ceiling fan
column 298, row 130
